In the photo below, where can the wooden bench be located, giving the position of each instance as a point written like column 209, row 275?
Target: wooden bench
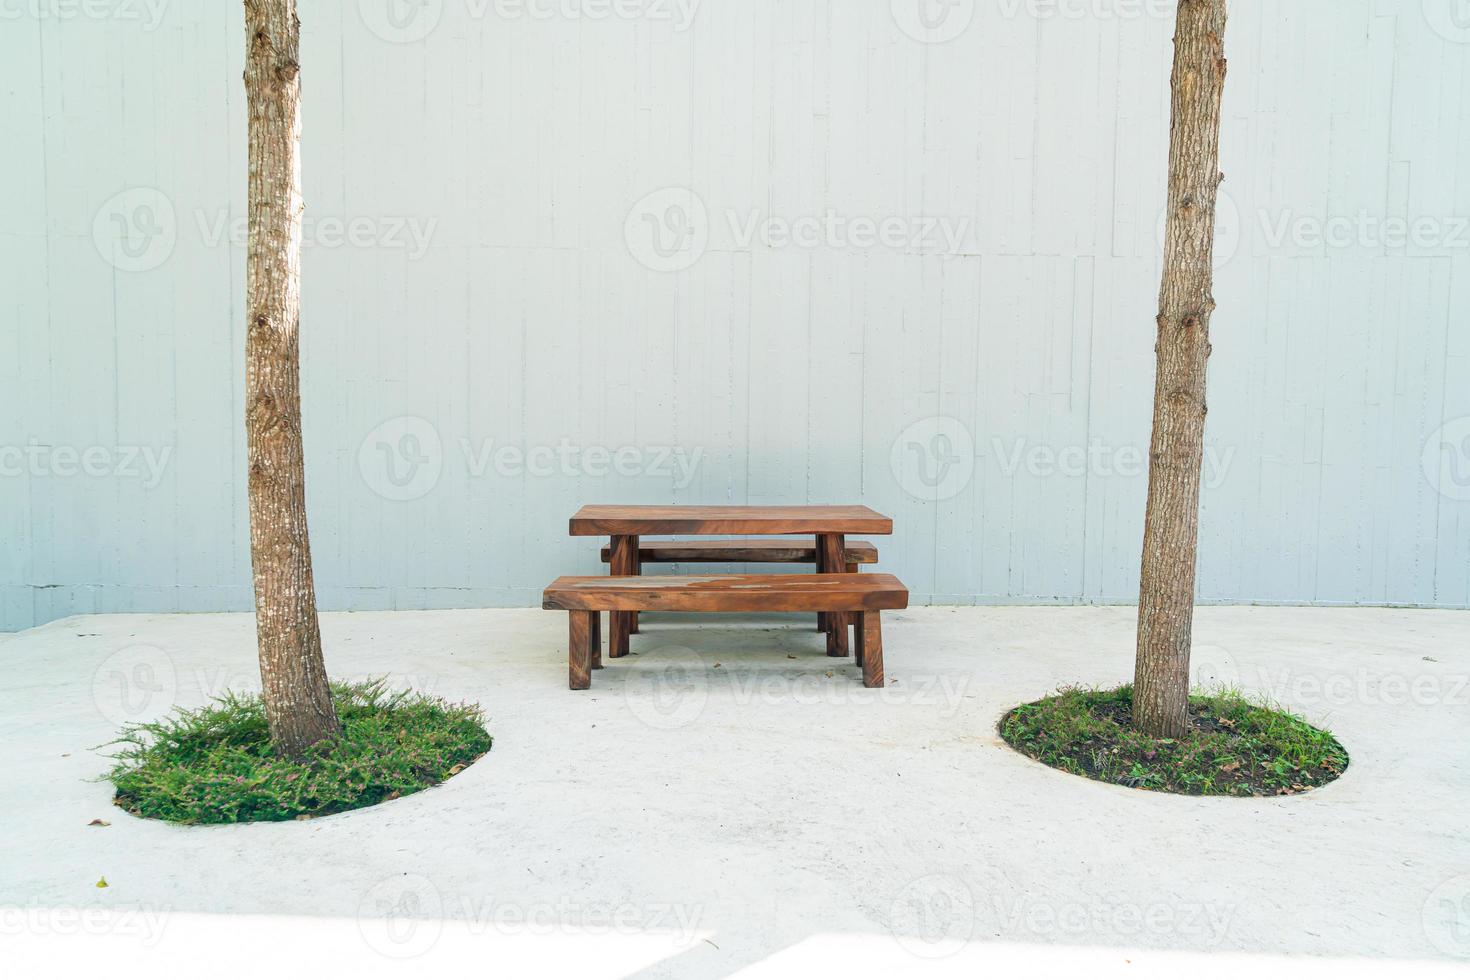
column 587, row 597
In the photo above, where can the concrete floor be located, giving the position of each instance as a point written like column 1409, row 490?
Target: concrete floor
column 719, row 806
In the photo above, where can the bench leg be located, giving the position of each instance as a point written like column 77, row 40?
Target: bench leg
column 623, row 560
column 579, row 649
column 870, row 648
column 850, row 569
column 833, row 549
column 596, row 627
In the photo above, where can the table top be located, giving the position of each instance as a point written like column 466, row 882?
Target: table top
column 607, row 519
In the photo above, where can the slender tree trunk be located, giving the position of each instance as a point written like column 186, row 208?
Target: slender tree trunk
column 298, row 701
column 1171, row 525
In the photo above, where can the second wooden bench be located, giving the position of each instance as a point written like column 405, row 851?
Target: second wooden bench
column 585, row 598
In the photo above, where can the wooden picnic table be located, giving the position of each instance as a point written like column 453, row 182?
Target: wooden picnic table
column 623, row 524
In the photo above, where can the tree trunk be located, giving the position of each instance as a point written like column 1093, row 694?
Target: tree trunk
column 293, row 675
column 1171, row 524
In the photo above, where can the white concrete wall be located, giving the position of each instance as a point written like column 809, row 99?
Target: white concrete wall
column 480, row 267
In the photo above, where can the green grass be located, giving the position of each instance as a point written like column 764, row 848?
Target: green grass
column 215, row 764
column 1234, row 748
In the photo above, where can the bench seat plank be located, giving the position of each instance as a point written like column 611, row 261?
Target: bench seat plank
column 775, row 550
column 727, row 593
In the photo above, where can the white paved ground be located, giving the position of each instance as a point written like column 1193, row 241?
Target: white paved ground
column 719, row 806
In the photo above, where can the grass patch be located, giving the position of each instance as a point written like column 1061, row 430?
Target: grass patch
column 216, row 765
column 1234, row 748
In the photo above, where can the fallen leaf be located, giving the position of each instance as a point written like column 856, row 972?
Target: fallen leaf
column 303, row 816
column 457, row 768
column 717, row 664
column 789, row 656
column 102, row 883
column 99, row 822
column 1230, row 767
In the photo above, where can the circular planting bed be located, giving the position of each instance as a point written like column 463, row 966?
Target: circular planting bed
column 1234, row 748
column 216, row 765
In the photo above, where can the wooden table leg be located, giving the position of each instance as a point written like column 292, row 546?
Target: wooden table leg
column 833, row 549
column 623, row 560
column 822, row 625
column 872, row 648
column 579, row 649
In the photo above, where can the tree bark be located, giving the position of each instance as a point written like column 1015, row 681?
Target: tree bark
column 293, row 675
column 1171, row 523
